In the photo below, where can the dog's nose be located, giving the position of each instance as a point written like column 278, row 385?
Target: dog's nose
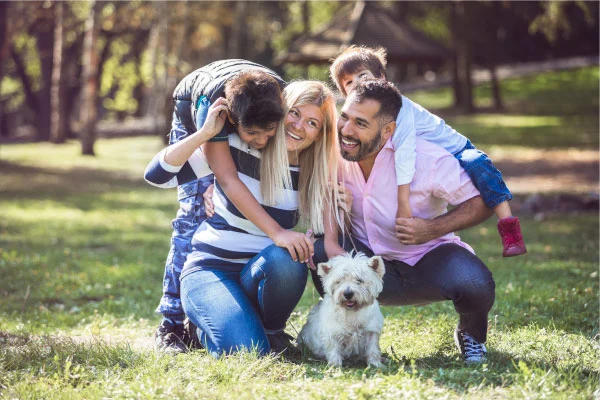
column 348, row 294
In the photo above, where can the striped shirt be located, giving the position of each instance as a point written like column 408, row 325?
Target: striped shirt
column 228, row 240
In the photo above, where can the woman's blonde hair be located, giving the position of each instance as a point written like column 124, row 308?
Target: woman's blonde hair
column 318, row 163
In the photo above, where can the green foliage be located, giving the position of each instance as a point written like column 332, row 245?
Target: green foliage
column 551, row 109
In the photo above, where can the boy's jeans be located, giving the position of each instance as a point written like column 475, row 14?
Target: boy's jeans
column 237, row 309
column 485, row 176
column 189, row 217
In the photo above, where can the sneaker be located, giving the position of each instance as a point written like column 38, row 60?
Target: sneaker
column 170, row 338
column 512, row 240
column 191, row 335
column 281, row 343
column 472, row 351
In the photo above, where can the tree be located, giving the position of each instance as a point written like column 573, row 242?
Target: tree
column 89, row 114
column 58, row 119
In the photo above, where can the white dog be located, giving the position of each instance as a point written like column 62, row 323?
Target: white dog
column 347, row 322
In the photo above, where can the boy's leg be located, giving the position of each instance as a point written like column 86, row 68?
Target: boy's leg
column 170, row 336
column 488, row 180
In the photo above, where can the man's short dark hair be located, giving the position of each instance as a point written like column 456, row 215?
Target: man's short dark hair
column 382, row 91
column 254, row 99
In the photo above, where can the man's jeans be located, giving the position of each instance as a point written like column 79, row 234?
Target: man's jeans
column 235, row 310
column 448, row 272
column 485, row 176
column 189, row 217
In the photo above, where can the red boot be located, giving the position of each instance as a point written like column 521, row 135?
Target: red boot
column 512, row 240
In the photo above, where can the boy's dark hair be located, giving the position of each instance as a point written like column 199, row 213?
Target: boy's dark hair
column 382, row 91
column 356, row 58
column 254, row 99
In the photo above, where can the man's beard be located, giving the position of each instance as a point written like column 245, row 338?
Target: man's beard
column 364, row 149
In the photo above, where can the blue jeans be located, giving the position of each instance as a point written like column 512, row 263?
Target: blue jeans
column 234, row 310
column 189, row 217
column 485, row 176
column 448, row 272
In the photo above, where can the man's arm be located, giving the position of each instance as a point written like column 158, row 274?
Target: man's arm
column 465, row 215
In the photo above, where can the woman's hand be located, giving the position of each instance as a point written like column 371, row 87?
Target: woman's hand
column 298, row 244
column 209, row 206
column 215, row 119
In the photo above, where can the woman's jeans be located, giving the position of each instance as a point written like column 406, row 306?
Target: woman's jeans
column 448, row 272
column 236, row 310
column 485, row 176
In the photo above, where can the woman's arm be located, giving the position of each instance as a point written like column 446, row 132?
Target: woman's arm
column 219, row 158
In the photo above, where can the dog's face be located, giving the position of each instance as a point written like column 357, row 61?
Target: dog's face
column 352, row 282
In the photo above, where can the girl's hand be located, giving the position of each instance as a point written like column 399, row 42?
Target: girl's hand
column 209, row 206
column 298, row 244
column 215, row 119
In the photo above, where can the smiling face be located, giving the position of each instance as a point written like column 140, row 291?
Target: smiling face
column 303, row 126
column 359, row 133
column 256, row 137
column 348, row 81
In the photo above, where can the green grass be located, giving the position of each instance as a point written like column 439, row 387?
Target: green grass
column 82, row 248
column 547, row 110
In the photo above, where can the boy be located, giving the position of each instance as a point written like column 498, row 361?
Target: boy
column 358, row 63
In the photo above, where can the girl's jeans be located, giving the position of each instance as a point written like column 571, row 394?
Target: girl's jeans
column 448, row 272
column 486, row 177
column 236, row 310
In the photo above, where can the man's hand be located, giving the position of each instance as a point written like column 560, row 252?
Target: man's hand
column 209, row 206
column 415, row 230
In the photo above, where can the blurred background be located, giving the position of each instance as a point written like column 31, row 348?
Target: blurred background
column 87, row 69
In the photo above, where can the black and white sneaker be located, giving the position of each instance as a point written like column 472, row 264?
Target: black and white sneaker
column 170, row 338
column 472, row 351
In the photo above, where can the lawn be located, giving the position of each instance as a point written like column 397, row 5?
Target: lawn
column 82, row 247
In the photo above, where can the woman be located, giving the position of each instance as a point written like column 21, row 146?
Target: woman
column 237, row 287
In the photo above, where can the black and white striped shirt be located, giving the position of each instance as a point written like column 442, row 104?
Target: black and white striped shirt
column 228, row 240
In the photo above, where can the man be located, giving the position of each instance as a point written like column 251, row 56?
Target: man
column 438, row 265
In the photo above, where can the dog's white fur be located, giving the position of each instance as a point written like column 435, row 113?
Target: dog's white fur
column 347, row 322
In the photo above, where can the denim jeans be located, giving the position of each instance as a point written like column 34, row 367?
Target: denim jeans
column 485, row 176
column 237, row 309
column 448, row 272
column 189, row 217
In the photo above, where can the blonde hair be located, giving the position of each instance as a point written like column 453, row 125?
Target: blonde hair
column 318, row 165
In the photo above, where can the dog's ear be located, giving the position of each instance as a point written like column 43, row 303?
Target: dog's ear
column 323, row 269
column 376, row 264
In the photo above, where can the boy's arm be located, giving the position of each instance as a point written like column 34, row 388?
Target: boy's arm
column 219, row 158
column 404, row 143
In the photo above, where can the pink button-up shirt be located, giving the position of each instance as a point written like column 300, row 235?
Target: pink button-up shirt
column 439, row 180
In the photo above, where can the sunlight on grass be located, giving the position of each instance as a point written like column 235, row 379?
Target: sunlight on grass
column 83, row 242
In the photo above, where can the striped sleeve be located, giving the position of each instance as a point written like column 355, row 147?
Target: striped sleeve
column 161, row 174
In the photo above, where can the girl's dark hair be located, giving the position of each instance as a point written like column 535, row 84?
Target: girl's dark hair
column 254, row 99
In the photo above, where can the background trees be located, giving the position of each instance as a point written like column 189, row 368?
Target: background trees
column 64, row 66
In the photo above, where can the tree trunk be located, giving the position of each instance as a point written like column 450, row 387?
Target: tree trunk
column 239, row 32
column 58, row 128
column 160, row 80
column 463, row 96
column 4, row 46
column 496, row 97
column 89, row 112
column 44, row 32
